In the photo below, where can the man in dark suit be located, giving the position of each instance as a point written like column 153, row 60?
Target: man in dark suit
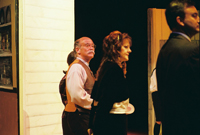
column 178, row 72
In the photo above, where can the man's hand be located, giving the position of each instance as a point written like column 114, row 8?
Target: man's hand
column 90, row 132
column 157, row 128
column 158, row 122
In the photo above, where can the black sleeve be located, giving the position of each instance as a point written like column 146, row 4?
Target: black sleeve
column 109, row 88
column 157, row 105
column 93, row 108
column 116, row 85
column 92, row 115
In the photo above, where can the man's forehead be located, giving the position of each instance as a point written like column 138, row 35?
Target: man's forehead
column 190, row 10
column 86, row 40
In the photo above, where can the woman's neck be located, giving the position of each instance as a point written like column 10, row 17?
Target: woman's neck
column 119, row 63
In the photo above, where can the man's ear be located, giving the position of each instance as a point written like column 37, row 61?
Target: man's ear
column 77, row 50
column 179, row 20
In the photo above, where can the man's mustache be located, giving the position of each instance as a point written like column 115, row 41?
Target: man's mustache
column 91, row 51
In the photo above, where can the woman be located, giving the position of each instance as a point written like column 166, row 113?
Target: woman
column 110, row 92
column 62, row 90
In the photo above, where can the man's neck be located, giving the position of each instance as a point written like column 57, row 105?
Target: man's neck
column 182, row 33
column 82, row 59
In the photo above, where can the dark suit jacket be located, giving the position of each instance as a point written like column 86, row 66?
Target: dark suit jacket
column 179, row 86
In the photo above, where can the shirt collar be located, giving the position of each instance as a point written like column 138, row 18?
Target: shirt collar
column 87, row 64
column 180, row 33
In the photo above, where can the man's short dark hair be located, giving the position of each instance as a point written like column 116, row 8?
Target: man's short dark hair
column 174, row 9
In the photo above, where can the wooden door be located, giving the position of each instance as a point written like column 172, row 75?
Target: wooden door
column 158, row 33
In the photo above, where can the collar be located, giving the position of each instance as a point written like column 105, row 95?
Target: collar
column 180, row 33
column 87, row 64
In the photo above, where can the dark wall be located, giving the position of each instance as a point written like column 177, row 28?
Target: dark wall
column 8, row 113
column 96, row 19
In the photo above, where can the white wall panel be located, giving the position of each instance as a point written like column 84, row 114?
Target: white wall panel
column 46, row 66
column 41, row 87
column 44, row 98
column 46, row 38
column 48, row 12
column 53, row 56
column 44, row 109
column 39, row 22
column 39, row 121
column 60, row 4
column 33, row 44
column 44, row 130
column 48, row 34
column 43, row 77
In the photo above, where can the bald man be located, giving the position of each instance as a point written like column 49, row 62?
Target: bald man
column 79, row 84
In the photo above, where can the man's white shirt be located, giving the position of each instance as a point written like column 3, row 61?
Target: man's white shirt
column 76, row 78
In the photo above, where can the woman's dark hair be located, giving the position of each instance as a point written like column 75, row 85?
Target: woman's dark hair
column 174, row 9
column 70, row 58
column 112, row 46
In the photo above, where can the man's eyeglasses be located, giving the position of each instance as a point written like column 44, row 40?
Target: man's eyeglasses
column 89, row 45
